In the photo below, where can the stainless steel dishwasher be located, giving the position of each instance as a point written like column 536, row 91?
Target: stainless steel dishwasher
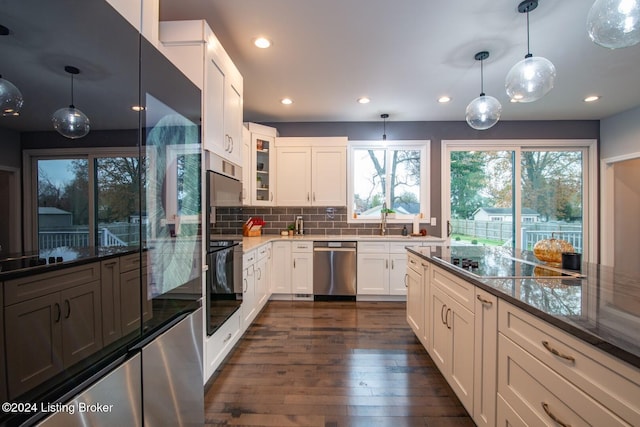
column 334, row 270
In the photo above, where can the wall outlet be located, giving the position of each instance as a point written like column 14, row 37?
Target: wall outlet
column 433, row 220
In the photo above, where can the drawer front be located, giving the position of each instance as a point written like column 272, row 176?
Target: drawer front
column 132, row 262
column 373, row 247
column 458, row 289
column 219, row 344
column 608, row 380
column 542, row 397
column 305, row 247
column 399, row 247
column 25, row 288
column 414, row 263
column 262, row 252
column 248, row 258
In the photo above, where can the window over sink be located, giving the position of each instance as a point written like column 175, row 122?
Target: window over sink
column 391, row 175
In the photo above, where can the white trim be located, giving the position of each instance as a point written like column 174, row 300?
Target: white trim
column 590, row 192
column 424, row 146
column 607, row 205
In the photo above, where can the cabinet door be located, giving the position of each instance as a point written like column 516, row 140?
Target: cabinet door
column 415, row 300
column 302, row 273
column 262, row 282
column 33, row 342
column 293, row 176
column 397, row 272
column 248, row 306
column 281, row 268
column 426, row 295
column 373, row 274
column 485, row 361
column 247, row 167
column 461, row 324
column 130, row 298
column 3, row 371
column 110, row 300
column 213, row 109
column 263, row 169
column 329, row 176
column 233, row 122
column 440, row 350
column 81, row 322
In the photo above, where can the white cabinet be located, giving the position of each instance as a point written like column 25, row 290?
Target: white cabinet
column 545, row 373
column 452, row 335
column 485, row 358
column 260, row 165
column 194, row 49
column 382, row 268
column 262, row 273
column 415, row 295
column 302, row 268
column 311, row 171
column 281, row 264
column 218, row 345
column 249, row 296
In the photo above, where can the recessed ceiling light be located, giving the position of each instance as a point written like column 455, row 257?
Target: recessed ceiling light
column 262, row 42
column 591, row 98
column 286, row 101
column 364, row 100
column 444, row 99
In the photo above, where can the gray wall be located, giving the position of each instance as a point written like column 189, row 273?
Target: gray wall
column 620, row 134
column 11, row 154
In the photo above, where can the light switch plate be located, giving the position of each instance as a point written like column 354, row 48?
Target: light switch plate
column 433, row 220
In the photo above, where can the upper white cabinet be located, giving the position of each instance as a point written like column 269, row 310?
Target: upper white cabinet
column 311, row 171
column 260, row 165
column 194, row 49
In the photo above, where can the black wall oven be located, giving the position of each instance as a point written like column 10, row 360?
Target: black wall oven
column 224, row 273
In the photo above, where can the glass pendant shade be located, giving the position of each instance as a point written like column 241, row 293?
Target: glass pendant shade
column 483, row 112
column 71, row 122
column 10, row 98
column 530, row 79
column 614, row 23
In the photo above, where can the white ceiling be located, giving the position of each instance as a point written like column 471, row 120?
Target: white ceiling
column 404, row 54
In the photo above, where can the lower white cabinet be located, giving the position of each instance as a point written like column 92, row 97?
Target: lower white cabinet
column 485, row 359
column 281, row 268
column 545, row 374
column 262, row 273
column 382, row 268
column 218, row 345
column 249, row 297
column 452, row 343
column 415, row 296
column 302, row 268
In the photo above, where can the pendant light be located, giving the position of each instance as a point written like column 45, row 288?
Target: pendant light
column 384, row 118
column 484, row 111
column 71, row 122
column 534, row 76
column 10, row 96
column 614, row 23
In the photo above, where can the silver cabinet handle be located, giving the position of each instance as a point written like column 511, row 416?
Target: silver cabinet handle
column 406, row 285
column 551, row 415
column 259, row 273
column 307, row 197
column 412, row 261
column 442, row 314
column 314, row 196
column 447, row 318
column 246, row 285
column 228, row 337
column 386, row 264
column 557, row 353
column 68, row 304
column 484, row 300
column 58, row 312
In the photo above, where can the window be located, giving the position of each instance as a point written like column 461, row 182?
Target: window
column 393, row 176
column 83, row 199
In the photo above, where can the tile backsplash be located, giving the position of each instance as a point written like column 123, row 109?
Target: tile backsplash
column 317, row 220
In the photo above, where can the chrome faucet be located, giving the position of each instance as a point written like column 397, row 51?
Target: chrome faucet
column 383, row 219
column 299, row 225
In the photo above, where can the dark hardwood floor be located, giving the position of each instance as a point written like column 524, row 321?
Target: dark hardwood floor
column 331, row 364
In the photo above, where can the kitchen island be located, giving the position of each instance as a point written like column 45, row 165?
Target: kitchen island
column 525, row 343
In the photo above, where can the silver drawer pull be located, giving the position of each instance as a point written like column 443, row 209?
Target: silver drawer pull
column 484, row 301
column 228, row 337
column 552, row 416
column 557, row 353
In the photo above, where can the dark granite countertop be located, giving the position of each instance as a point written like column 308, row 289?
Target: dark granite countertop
column 597, row 304
column 30, row 263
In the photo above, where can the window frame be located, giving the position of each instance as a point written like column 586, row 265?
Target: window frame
column 30, row 180
column 590, row 180
column 424, row 146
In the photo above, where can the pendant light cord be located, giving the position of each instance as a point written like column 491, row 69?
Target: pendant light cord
column 528, row 55
column 72, row 105
column 482, row 77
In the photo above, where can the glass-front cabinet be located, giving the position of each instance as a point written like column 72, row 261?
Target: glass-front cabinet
column 262, row 168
